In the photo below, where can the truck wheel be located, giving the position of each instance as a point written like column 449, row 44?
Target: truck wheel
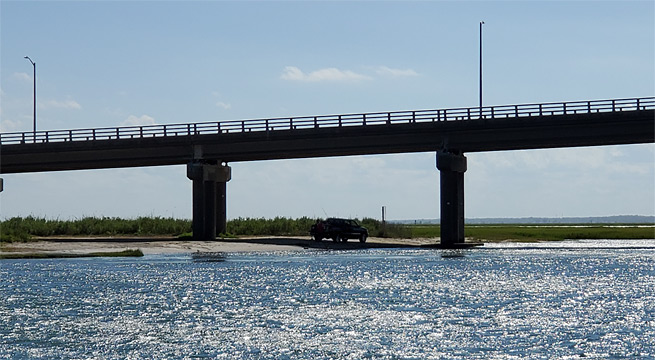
column 362, row 239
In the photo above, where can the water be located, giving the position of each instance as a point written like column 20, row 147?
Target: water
column 564, row 300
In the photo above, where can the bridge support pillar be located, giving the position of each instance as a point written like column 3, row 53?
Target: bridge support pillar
column 452, row 166
column 209, row 198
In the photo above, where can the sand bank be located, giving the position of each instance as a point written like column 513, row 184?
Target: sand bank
column 163, row 245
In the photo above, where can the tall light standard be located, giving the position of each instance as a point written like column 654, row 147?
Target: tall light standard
column 481, row 23
column 34, row 66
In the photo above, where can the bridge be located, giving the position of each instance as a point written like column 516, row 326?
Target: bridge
column 207, row 147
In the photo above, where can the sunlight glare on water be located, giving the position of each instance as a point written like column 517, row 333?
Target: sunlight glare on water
column 561, row 300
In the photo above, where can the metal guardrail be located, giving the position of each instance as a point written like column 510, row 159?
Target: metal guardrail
column 325, row 121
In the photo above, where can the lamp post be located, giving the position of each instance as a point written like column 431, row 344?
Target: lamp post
column 481, row 23
column 34, row 66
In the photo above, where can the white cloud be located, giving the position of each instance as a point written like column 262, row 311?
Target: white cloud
column 219, row 103
column 387, row 71
column 223, row 105
column 22, row 76
column 65, row 104
column 293, row 73
column 143, row 120
column 9, row 125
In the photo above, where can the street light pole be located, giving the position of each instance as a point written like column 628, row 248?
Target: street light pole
column 481, row 23
column 34, row 66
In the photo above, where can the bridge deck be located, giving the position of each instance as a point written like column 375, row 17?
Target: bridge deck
column 508, row 127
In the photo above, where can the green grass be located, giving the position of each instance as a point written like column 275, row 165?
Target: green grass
column 24, row 229
column 279, row 226
column 541, row 232
column 125, row 253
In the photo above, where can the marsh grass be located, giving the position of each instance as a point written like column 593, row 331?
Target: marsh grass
column 541, row 232
column 124, row 253
column 279, row 226
column 23, row 229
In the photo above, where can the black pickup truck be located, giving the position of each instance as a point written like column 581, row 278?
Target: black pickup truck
column 338, row 230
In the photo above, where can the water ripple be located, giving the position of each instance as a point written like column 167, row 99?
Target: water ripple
column 501, row 302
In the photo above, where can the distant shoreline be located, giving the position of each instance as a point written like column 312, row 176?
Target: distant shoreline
column 580, row 220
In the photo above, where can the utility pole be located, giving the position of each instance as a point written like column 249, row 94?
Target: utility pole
column 34, row 66
column 481, row 23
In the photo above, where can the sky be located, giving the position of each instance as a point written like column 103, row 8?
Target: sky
column 114, row 63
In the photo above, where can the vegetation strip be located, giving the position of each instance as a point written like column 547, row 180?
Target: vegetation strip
column 542, row 232
column 40, row 255
column 25, row 229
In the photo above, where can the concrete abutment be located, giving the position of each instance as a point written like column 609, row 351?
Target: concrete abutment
column 209, row 198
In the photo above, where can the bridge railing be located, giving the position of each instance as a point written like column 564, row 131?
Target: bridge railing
column 329, row 121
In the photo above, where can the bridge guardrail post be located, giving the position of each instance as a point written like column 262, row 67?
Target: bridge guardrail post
column 364, row 119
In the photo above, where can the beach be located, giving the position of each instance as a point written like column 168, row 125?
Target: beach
column 171, row 245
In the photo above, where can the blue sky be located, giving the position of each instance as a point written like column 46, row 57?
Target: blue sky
column 112, row 63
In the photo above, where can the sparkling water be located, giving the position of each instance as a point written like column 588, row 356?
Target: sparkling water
column 563, row 300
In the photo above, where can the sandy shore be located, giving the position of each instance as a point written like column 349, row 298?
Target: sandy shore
column 163, row 245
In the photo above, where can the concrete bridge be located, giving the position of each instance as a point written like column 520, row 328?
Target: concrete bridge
column 208, row 147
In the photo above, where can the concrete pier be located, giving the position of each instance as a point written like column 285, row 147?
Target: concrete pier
column 452, row 166
column 209, row 198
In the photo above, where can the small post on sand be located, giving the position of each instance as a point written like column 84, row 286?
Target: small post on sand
column 384, row 221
